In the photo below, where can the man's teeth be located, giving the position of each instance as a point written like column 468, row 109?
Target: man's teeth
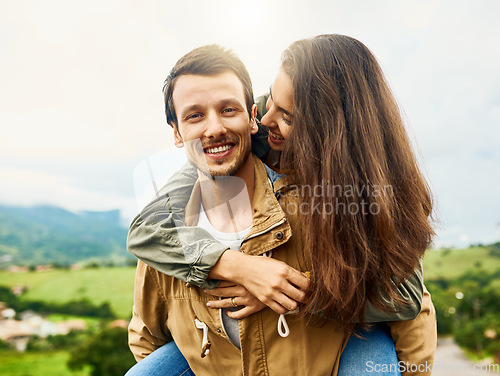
column 277, row 136
column 219, row 149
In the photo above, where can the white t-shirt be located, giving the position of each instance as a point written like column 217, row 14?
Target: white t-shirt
column 232, row 240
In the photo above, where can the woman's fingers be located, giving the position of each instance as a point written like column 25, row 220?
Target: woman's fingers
column 227, row 284
column 248, row 304
column 235, row 290
column 273, row 282
column 299, row 279
column 294, row 293
column 253, row 304
column 270, row 279
column 223, row 303
column 245, row 311
column 283, row 305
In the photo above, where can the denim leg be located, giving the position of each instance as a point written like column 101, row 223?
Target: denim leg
column 373, row 355
column 166, row 361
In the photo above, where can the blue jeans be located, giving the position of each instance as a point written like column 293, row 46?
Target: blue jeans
column 374, row 355
column 166, row 361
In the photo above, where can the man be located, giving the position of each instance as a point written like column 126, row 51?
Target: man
column 212, row 108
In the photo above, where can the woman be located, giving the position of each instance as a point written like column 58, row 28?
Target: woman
column 347, row 132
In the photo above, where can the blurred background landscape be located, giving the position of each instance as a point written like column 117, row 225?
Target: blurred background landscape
column 81, row 110
column 66, row 291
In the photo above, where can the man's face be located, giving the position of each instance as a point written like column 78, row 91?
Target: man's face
column 212, row 109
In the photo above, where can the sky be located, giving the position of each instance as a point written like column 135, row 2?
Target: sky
column 81, row 107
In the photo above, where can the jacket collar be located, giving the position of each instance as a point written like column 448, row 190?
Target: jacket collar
column 267, row 212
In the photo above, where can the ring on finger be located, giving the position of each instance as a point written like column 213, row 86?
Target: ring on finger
column 233, row 302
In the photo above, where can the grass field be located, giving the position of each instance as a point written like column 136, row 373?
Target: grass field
column 452, row 263
column 36, row 364
column 113, row 285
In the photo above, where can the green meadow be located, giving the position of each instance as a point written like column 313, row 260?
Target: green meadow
column 36, row 364
column 115, row 285
column 99, row 285
column 451, row 263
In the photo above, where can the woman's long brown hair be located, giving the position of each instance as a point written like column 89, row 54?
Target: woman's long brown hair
column 348, row 135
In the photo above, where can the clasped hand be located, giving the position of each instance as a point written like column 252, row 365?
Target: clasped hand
column 261, row 282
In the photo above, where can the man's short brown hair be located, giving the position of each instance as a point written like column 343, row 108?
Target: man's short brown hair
column 206, row 61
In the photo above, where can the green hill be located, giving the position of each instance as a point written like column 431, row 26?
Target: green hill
column 46, row 234
column 451, row 263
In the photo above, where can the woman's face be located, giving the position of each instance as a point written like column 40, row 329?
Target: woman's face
column 279, row 114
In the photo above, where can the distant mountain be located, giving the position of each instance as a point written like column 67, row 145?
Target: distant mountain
column 46, row 234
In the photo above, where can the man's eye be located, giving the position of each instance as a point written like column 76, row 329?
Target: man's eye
column 229, row 110
column 193, row 117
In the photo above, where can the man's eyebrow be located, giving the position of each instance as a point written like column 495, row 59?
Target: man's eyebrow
column 230, row 101
column 279, row 108
column 188, row 109
column 223, row 102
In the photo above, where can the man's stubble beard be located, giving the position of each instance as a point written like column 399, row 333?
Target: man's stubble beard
column 231, row 170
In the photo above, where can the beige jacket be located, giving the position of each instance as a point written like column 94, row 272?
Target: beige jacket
column 167, row 309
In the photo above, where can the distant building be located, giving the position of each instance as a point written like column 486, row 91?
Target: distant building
column 65, row 327
column 6, row 313
column 17, row 269
column 18, row 289
column 120, row 323
column 19, row 332
column 44, row 268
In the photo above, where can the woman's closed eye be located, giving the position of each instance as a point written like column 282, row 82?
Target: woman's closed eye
column 286, row 118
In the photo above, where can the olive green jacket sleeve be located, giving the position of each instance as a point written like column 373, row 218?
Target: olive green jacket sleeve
column 159, row 237
column 412, row 292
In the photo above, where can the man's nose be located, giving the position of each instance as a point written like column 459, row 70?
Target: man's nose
column 215, row 126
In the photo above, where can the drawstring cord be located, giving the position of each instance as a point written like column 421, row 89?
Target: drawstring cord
column 283, row 329
column 205, row 343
